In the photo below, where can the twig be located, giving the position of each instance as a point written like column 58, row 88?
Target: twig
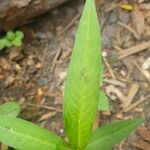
column 45, row 107
column 71, row 23
column 53, row 93
column 135, row 49
column 47, row 116
column 97, row 122
column 55, row 59
column 115, row 82
column 44, row 56
column 119, row 49
column 129, row 28
column 137, row 104
column 109, row 68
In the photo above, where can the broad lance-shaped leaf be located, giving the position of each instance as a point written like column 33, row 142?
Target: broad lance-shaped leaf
column 82, row 87
column 108, row 135
column 23, row 135
column 10, row 109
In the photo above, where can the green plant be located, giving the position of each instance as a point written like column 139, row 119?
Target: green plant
column 80, row 102
column 11, row 39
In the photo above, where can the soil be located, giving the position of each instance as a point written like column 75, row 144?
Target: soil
column 34, row 75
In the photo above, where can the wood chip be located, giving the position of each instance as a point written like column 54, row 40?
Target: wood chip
column 39, row 95
column 131, row 94
column 138, row 21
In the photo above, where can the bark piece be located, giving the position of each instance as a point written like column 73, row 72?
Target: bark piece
column 14, row 13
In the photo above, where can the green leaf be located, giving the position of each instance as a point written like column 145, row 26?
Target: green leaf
column 8, row 43
column 10, row 35
column 2, row 43
column 23, row 135
column 17, row 42
column 108, row 135
column 11, row 109
column 103, row 103
column 19, row 34
column 82, row 87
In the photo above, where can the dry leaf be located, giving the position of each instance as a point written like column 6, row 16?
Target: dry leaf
column 10, row 80
column 126, row 6
column 144, row 133
column 142, row 145
column 146, row 14
column 144, row 6
column 14, row 53
column 147, row 32
column 114, row 93
column 138, row 21
column 4, row 64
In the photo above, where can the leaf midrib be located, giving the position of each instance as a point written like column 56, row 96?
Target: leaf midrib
column 29, row 137
column 82, row 89
column 103, row 138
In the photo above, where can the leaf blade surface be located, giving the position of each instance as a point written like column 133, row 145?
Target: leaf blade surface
column 108, row 135
column 10, row 109
column 23, row 135
column 82, row 88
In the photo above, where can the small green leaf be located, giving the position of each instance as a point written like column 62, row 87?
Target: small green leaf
column 23, row 135
column 82, row 88
column 8, row 43
column 108, row 135
column 11, row 109
column 19, row 34
column 17, row 42
column 103, row 103
column 2, row 43
column 10, row 35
